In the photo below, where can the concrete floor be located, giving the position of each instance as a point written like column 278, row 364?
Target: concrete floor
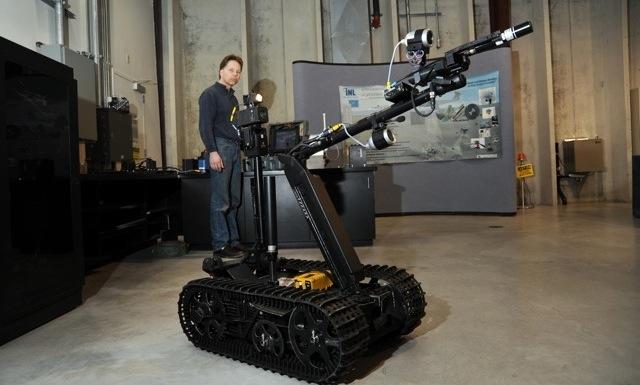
column 550, row 296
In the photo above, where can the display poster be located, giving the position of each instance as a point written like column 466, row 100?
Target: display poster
column 464, row 125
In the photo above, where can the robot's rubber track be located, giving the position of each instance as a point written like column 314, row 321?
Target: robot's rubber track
column 413, row 297
column 218, row 314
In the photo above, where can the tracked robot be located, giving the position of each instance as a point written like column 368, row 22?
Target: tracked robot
column 312, row 320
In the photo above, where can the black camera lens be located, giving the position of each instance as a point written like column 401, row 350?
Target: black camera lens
column 381, row 139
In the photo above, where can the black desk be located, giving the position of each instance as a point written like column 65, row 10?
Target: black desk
column 351, row 190
column 125, row 212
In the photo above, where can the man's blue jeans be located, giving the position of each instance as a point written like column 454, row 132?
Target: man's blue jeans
column 225, row 195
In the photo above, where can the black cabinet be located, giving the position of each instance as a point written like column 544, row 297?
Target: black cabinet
column 114, row 140
column 351, row 190
column 41, row 267
column 195, row 210
column 125, row 212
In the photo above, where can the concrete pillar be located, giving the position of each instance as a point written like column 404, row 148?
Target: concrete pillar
column 533, row 98
column 634, row 72
column 211, row 30
column 173, row 82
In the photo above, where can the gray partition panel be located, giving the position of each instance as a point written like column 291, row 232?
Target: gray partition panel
column 473, row 186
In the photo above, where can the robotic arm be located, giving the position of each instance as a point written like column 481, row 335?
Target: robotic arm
column 457, row 61
column 437, row 77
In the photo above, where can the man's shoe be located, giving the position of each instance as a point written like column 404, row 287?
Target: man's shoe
column 228, row 252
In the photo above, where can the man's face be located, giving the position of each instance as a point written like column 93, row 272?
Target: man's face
column 230, row 74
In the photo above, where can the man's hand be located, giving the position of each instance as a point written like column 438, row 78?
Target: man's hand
column 215, row 161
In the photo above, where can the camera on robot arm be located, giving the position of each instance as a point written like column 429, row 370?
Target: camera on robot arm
column 445, row 74
column 248, row 122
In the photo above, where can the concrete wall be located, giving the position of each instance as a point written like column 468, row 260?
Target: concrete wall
column 482, row 20
column 532, row 96
column 456, row 22
column 29, row 21
column 378, row 45
column 274, row 42
column 173, row 82
column 383, row 39
column 591, row 88
column 26, row 22
column 133, row 60
column 346, row 35
column 634, row 72
column 266, row 45
column 78, row 28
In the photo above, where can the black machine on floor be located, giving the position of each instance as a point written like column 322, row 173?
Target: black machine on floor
column 312, row 319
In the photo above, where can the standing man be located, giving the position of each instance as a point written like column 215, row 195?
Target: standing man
column 222, row 141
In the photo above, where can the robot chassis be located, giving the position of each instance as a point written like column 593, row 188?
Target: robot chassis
column 317, row 330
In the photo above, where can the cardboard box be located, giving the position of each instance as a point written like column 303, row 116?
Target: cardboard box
column 583, row 155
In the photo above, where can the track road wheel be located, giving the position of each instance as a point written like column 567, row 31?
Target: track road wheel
column 267, row 338
column 313, row 339
column 205, row 315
